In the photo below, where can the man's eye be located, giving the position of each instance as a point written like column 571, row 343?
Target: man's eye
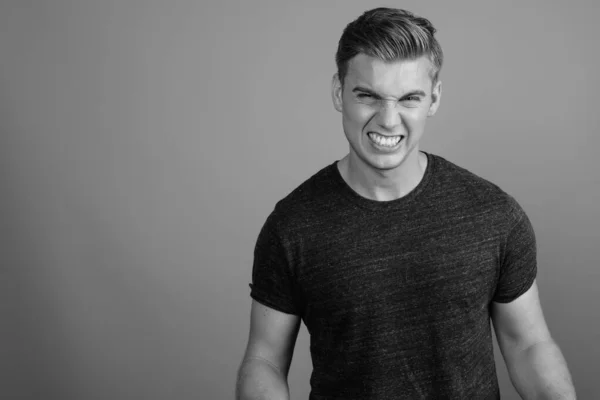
column 412, row 98
column 364, row 96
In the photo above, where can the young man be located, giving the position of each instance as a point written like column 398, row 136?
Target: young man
column 396, row 259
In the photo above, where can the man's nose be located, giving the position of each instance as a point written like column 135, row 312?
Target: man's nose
column 388, row 115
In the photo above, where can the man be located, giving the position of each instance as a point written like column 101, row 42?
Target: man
column 396, row 259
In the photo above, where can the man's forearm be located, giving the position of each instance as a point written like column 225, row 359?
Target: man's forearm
column 260, row 380
column 540, row 372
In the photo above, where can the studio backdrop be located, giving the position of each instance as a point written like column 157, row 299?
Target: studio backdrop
column 144, row 142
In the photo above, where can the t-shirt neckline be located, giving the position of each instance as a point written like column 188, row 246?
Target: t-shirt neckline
column 371, row 204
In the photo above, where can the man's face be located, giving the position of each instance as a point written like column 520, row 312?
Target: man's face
column 384, row 108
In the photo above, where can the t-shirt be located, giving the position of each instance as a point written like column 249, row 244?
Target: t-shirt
column 396, row 294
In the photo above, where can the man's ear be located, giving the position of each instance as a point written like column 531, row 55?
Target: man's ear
column 336, row 92
column 436, row 96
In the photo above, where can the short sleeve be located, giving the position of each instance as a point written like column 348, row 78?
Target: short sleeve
column 273, row 283
column 518, row 267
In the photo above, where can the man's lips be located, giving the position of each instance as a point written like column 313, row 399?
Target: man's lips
column 387, row 141
column 383, row 135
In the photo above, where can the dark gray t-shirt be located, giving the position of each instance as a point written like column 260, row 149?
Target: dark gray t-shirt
column 396, row 294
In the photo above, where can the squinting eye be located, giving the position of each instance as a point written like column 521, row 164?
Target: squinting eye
column 364, row 95
column 413, row 98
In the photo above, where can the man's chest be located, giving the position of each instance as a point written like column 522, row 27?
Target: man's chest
column 386, row 272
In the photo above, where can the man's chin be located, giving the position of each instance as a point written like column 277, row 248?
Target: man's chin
column 380, row 162
column 386, row 163
column 390, row 160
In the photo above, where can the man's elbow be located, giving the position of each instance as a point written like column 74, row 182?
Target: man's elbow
column 539, row 371
column 260, row 380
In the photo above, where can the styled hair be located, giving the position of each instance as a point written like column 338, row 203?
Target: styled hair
column 389, row 34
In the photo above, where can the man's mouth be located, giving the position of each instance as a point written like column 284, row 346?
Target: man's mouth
column 385, row 141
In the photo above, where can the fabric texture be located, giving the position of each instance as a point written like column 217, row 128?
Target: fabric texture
column 395, row 295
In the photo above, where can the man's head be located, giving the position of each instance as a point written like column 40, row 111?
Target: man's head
column 389, row 34
column 387, row 85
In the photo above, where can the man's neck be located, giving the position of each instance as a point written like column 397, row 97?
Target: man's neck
column 383, row 185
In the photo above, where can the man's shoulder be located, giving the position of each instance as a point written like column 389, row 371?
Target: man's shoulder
column 471, row 187
column 311, row 197
column 314, row 187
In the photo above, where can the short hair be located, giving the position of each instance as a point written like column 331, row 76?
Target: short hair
column 389, row 34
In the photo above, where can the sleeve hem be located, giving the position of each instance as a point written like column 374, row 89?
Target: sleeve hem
column 522, row 290
column 273, row 304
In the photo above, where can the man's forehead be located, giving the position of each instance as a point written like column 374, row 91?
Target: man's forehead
column 396, row 76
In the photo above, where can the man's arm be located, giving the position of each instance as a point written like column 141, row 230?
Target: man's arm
column 264, row 369
column 535, row 364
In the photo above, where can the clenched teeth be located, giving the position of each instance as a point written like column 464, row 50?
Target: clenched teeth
column 384, row 140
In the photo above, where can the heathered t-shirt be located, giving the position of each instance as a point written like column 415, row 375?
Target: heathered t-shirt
column 395, row 295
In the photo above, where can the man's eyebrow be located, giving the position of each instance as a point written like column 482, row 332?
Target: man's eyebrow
column 365, row 90
column 416, row 93
column 369, row 91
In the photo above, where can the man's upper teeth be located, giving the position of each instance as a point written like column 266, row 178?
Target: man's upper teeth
column 385, row 140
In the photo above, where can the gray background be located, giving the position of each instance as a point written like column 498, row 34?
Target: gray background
column 143, row 143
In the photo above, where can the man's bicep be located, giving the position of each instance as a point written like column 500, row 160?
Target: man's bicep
column 520, row 323
column 272, row 335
